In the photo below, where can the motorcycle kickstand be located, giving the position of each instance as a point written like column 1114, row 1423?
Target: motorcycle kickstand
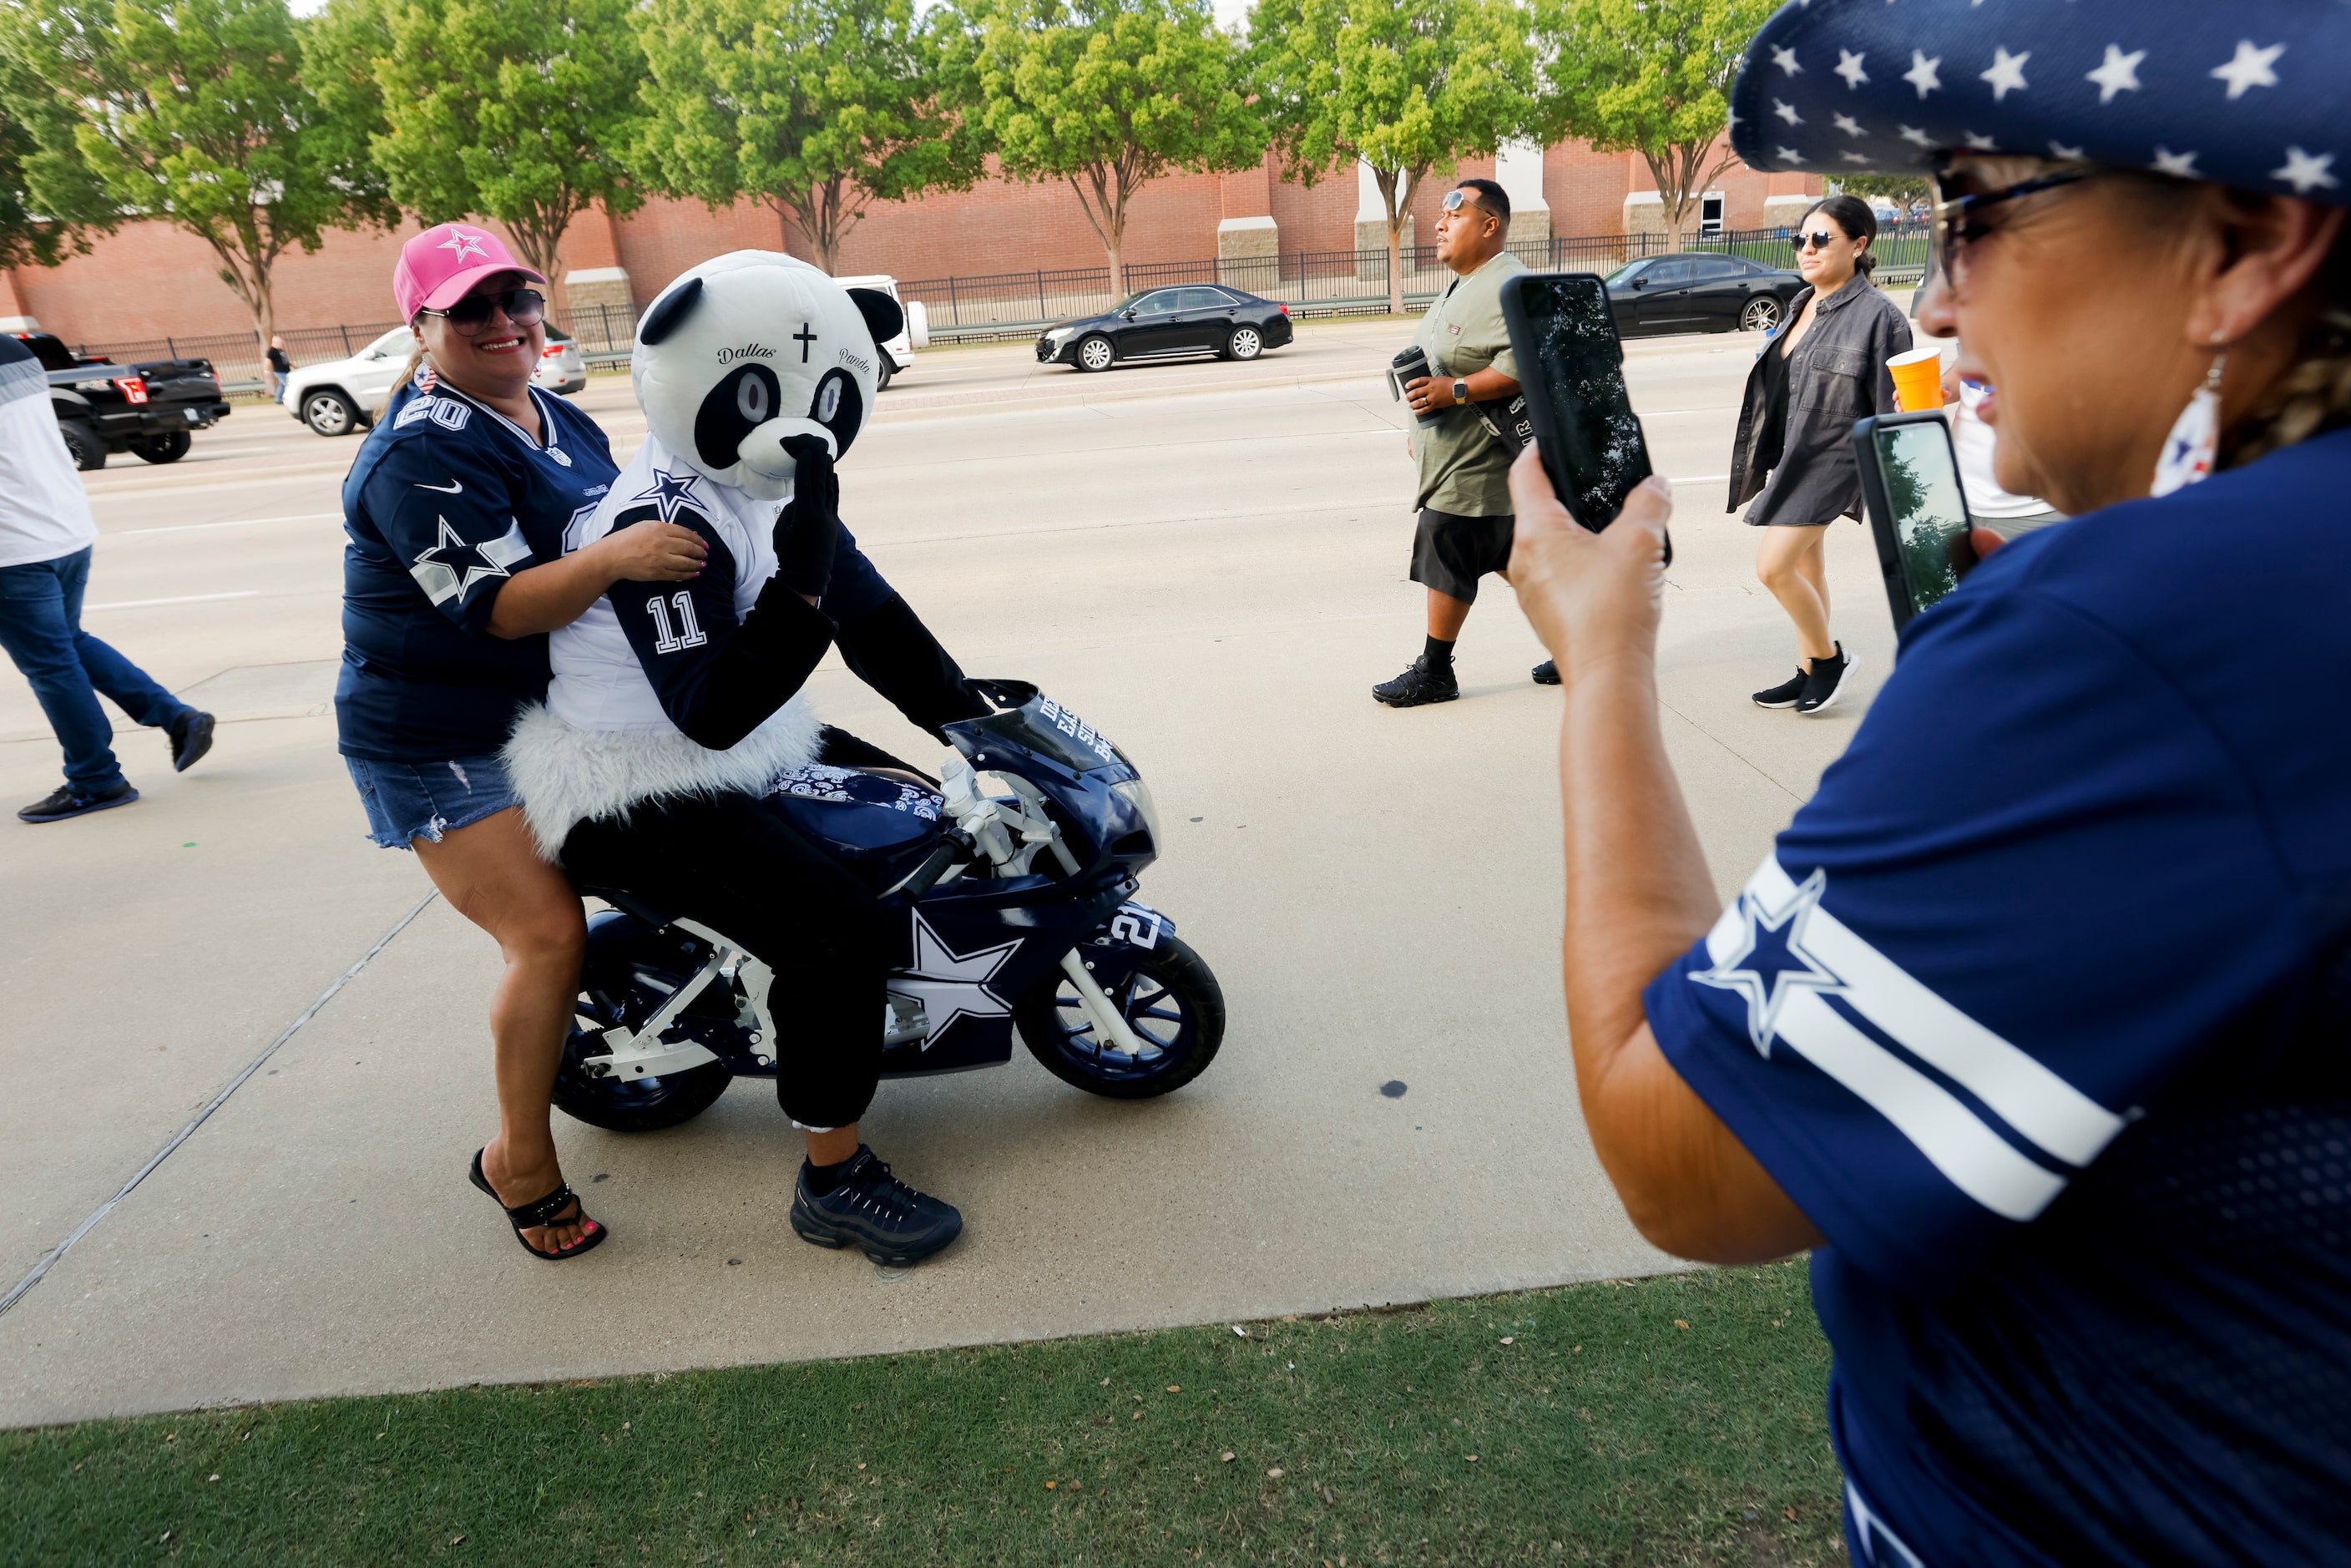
column 1098, row 1007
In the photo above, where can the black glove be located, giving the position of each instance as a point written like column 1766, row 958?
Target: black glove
column 809, row 526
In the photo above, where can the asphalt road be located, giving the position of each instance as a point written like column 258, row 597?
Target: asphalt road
column 1206, row 559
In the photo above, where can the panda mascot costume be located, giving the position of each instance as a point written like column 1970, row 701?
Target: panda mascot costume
column 675, row 708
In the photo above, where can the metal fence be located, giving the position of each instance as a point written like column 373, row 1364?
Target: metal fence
column 986, row 307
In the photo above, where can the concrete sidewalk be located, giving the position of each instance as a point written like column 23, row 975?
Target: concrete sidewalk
column 1214, row 580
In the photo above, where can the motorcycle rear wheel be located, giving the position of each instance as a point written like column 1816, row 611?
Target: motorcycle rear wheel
column 635, row 1106
column 1173, row 1004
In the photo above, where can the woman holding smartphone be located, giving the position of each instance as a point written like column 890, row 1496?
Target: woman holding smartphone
column 455, row 509
column 1793, row 454
column 2031, row 1027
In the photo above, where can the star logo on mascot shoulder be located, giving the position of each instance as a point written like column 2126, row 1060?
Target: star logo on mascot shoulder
column 670, row 491
column 464, row 244
column 952, row 985
column 1770, row 963
column 451, row 567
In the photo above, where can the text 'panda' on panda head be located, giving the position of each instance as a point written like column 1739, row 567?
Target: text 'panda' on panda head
column 750, row 350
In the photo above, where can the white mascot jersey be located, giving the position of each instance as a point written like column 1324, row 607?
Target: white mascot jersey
column 735, row 357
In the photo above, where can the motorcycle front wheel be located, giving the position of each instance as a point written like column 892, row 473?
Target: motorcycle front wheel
column 1171, row 1003
column 635, row 1105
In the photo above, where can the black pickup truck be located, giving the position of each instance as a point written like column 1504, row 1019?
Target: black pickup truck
column 150, row 408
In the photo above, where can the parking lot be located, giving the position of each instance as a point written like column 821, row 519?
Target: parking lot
column 1208, row 561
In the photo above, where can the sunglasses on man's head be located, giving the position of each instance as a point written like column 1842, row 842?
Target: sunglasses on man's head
column 1453, row 200
column 523, row 307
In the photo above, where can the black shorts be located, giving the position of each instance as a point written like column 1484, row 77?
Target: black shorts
column 1451, row 553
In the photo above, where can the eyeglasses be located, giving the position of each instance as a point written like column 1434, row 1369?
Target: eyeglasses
column 1453, row 200
column 1819, row 239
column 523, row 308
column 1955, row 224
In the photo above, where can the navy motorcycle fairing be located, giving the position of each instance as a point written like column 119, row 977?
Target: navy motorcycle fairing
column 880, row 824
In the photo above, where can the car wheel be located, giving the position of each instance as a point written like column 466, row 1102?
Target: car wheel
column 888, row 372
column 1762, row 315
column 167, row 447
column 1095, row 353
column 1245, row 344
column 330, row 413
column 89, row 451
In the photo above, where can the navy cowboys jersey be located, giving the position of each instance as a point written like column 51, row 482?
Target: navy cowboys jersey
column 2039, row 1011
column 448, row 499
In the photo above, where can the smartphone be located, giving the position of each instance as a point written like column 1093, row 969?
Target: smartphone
column 1917, row 510
column 1572, row 370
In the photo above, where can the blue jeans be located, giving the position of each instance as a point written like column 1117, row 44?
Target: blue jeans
column 40, row 626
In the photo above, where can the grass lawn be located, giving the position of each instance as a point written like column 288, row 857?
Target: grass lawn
column 1659, row 1421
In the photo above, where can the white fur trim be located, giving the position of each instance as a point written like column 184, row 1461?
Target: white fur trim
column 566, row 775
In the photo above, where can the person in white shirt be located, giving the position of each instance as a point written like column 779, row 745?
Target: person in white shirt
column 46, row 535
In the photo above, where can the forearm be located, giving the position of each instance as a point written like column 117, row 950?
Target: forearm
column 1491, row 385
column 543, row 598
column 762, row 667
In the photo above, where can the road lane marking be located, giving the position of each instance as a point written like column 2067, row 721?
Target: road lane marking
column 238, row 523
column 182, row 599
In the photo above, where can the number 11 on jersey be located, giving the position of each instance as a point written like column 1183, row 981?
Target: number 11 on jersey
column 688, row 632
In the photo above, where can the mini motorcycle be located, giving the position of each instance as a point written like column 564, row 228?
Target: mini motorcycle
column 1010, row 910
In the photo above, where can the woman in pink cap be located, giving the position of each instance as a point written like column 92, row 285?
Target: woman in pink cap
column 456, row 509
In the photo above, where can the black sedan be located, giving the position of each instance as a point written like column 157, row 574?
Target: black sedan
column 1698, row 291
column 1162, row 323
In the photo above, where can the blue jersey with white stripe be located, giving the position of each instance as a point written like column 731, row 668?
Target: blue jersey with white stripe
column 2040, row 1011
column 446, row 501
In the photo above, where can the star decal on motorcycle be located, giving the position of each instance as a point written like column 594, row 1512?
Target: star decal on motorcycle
column 952, row 985
column 451, row 567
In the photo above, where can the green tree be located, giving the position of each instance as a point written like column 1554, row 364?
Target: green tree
column 1406, row 87
column 36, row 149
column 816, row 106
column 191, row 112
column 521, row 110
column 1900, row 189
column 1108, row 95
column 1651, row 77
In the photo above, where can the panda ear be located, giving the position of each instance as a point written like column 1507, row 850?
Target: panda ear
column 669, row 312
column 882, row 317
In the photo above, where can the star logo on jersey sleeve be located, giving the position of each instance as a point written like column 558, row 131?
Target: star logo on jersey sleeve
column 952, row 985
column 1770, row 963
column 451, row 568
column 670, row 491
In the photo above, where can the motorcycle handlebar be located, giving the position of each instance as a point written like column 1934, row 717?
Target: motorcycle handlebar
column 954, row 845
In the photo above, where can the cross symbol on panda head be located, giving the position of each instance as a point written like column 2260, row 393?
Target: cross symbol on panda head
column 804, row 338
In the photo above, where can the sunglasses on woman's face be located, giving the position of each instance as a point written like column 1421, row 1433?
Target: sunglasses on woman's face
column 523, row 308
column 1819, row 239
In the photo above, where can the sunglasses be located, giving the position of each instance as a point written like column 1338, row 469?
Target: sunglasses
column 1453, row 200
column 523, row 308
column 1955, row 222
column 1819, row 239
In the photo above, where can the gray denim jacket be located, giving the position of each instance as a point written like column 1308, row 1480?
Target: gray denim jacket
column 1837, row 375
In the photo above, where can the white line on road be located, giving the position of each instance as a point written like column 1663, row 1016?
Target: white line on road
column 182, row 599
column 238, row 523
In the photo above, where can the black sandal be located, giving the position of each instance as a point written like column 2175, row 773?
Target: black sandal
column 541, row 1212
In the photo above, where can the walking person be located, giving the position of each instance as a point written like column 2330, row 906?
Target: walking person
column 2030, row 1027
column 455, row 509
column 1463, row 493
column 280, row 367
column 1792, row 456
column 47, row 534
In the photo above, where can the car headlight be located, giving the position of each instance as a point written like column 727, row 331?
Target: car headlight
column 1058, row 334
column 1138, row 795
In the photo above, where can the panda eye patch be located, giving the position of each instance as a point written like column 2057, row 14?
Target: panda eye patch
column 744, row 399
column 838, row 407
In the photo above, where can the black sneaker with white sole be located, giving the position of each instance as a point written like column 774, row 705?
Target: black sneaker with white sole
column 65, row 801
column 1830, row 680
column 1787, row 694
column 1547, row 673
column 874, row 1211
column 1418, row 686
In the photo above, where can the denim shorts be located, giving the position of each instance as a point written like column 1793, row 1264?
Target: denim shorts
column 411, row 801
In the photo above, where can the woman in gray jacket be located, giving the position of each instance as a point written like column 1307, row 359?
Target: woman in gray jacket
column 1793, row 455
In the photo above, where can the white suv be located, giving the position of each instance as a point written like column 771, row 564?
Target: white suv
column 898, row 353
column 343, row 395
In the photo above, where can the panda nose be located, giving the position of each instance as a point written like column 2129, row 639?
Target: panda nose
column 765, row 452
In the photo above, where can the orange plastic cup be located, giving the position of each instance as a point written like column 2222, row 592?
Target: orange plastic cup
column 1917, row 380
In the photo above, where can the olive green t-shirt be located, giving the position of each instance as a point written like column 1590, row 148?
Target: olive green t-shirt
column 1463, row 469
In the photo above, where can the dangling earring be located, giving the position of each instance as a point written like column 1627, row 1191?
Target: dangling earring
column 2195, row 436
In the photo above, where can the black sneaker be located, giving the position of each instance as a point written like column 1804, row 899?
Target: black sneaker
column 191, row 736
column 1547, row 673
column 894, row 1224
column 1418, row 686
column 1787, row 694
column 65, row 801
column 1827, row 683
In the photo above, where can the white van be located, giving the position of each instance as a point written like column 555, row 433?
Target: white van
column 341, row 395
column 898, row 353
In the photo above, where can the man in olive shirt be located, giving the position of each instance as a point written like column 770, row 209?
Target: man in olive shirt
column 1464, row 492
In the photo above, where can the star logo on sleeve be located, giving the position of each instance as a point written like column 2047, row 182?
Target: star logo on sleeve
column 451, row 568
column 952, row 985
column 1770, row 963
column 670, row 491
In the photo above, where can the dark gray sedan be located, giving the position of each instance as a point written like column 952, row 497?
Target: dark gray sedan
column 1161, row 323
column 1699, row 291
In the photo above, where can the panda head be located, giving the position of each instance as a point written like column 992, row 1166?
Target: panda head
column 754, row 348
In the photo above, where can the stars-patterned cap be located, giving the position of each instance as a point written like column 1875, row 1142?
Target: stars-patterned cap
column 2248, row 94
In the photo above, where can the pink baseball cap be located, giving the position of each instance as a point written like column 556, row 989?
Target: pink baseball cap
column 438, row 266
